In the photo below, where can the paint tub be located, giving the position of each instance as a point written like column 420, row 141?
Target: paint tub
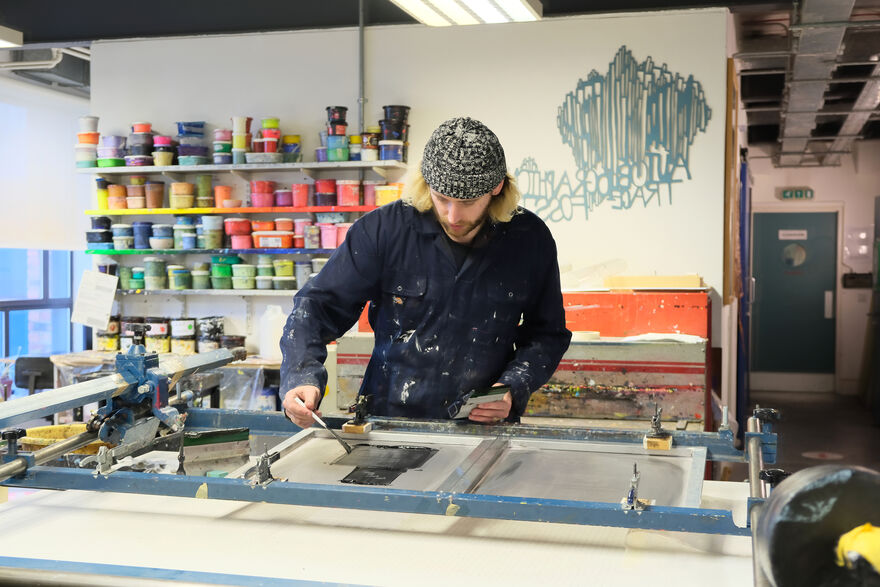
column 261, row 200
column 241, row 241
column 181, row 201
column 85, row 152
column 283, row 267
column 231, row 203
column 154, row 267
column 182, row 188
column 88, row 124
column 270, row 133
column 142, row 233
column 337, row 142
column 325, row 199
column 109, row 153
column 270, row 122
column 283, row 198
column 201, row 279
column 385, row 194
column 337, row 154
column 223, row 146
column 237, row 226
column 210, row 222
column 291, row 139
column 163, row 230
column 135, row 202
column 203, row 186
column 263, row 157
column 299, row 241
column 244, row 270
column 122, row 230
column 273, row 239
column 371, row 137
column 291, row 156
column 101, row 196
column 141, row 127
column 116, row 190
column 191, row 128
column 135, row 190
column 318, row 264
column 312, row 235
column 158, row 344
column 206, row 345
column 222, row 158
column 101, row 246
column 262, row 186
column 369, row 154
column 136, row 283
column 336, row 112
column 139, row 139
column 153, row 283
column 221, row 282
column 137, row 272
column 87, row 138
column 328, row 235
column 231, row 341
column 221, row 270
column 263, row 281
column 396, row 112
column 100, row 223
column 300, row 193
column 337, row 129
column 241, row 124
column 213, row 239
column 284, row 224
column 288, row 283
column 354, row 153
column 192, row 160
column 111, row 162
column 105, row 341
column 124, row 281
column 160, row 243
column 188, row 240
column 99, row 235
column 341, row 231
column 154, row 194
column 370, row 191
column 325, row 186
column 261, row 225
column 85, row 164
column 210, row 327
column 265, row 270
column 183, row 345
column 240, row 142
column 207, row 202
column 113, row 141
column 303, row 272
column 264, row 259
column 243, row 283
column 162, row 141
column 221, row 192
column 182, row 327
column 391, row 150
column 299, row 225
column 222, row 134
column 348, row 192
column 320, row 155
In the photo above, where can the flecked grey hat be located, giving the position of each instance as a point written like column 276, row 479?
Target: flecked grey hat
column 463, row 159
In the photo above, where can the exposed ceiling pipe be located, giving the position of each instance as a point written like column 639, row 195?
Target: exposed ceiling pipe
column 855, row 122
column 56, row 58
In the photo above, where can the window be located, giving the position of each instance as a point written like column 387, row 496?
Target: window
column 36, row 299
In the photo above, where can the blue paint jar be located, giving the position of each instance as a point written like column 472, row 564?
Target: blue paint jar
column 100, row 223
column 184, row 220
column 391, row 150
column 142, row 233
column 122, row 230
column 188, row 240
column 163, row 230
column 337, row 142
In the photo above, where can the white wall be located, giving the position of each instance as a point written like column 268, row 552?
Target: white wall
column 42, row 197
column 512, row 77
column 854, row 184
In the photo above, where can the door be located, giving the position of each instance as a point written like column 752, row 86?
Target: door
column 793, row 323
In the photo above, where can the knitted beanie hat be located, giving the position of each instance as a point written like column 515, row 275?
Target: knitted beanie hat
column 463, row 159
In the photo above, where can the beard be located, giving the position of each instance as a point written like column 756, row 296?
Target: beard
column 462, row 229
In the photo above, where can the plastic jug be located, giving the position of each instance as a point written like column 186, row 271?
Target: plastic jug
column 271, row 327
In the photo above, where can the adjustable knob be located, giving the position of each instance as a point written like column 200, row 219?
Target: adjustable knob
column 767, row 414
column 773, row 476
column 11, row 435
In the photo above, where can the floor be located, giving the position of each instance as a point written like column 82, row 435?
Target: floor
column 818, row 429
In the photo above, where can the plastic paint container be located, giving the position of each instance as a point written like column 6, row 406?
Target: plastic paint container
column 222, row 134
column 244, row 270
column 348, row 192
column 283, row 267
column 396, row 112
column 273, row 239
column 109, row 153
column 221, row 192
column 115, row 162
column 303, row 272
column 241, row 241
column 154, row 267
column 291, row 139
column 124, row 278
column 318, row 264
column 300, row 193
column 239, row 141
column 135, row 202
column 99, row 236
column 263, row 281
column 265, row 270
column 261, row 225
column 320, row 155
column 312, row 235
column 104, row 341
column 299, row 225
column 206, row 345
column 183, row 188
column 341, row 231
column 354, row 153
column 243, row 283
column 270, row 133
column 270, row 122
column 163, row 230
column 386, row 194
column 325, row 185
column 239, row 156
column 262, row 200
column 284, row 224
column 283, row 198
column 152, row 283
column 337, row 129
column 241, row 124
column 88, row 124
column 263, row 186
column 212, row 222
column 181, row 201
column 191, row 160
column 161, row 141
column 100, row 223
column 141, row 150
column 141, row 127
column 160, row 243
column 115, row 190
column 207, row 202
column 203, row 186
column 183, row 345
column 140, row 138
column 336, row 112
column 325, row 199
column 142, row 233
column 221, row 270
column 328, row 236
column 195, row 129
column 288, row 283
column 122, row 230
column 223, row 147
column 221, row 282
column 222, row 158
column 337, row 142
column 154, row 195
column 213, row 239
column 201, row 279
column 369, row 154
column 370, row 191
column 183, row 327
column 337, row 154
column 188, row 241
column 88, row 138
column 158, row 344
column 391, row 150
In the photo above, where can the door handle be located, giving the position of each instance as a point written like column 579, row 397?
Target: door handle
column 753, row 288
column 829, row 304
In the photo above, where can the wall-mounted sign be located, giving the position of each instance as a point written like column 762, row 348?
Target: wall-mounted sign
column 792, row 235
column 794, row 193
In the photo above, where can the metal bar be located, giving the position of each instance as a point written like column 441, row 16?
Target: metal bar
column 756, row 463
column 44, row 455
column 834, row 138
column 676, row 519
column 762, row 72
column 836, row 80
column 36, row 304
column 849, row 24
column 361, row 98
column 53, row 401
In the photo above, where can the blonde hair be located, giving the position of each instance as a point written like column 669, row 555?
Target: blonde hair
column 504, row 206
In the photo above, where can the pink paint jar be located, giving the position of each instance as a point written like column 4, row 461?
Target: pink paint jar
column 242, row 241
column 116, row 203
column 223, row 135
column 161, row 141
column 325, row 186
column 370, row 191
column 299, row 225
column 328, row 235
column 270, row 133
column 300, row 192
column 341, row 231
column 348, row 192
column 237, row 226
column 262, row 200
column 283, row 198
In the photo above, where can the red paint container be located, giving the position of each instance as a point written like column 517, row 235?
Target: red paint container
column 262, row 200
column 271, row 133
column 370, row 191
column 299, row 241
column 260, row 186
column 221, row 135
column 282, row 224
column 273, row 239
column 88, row 138
column 337, row 128
column 269, row 145
column 259, row 146
column 242, row 241
column 141, row 127
column 348, row 192
column 300, row 192
column 341, row 231
column 237, row 226
column 263, row 225
column 325, row 186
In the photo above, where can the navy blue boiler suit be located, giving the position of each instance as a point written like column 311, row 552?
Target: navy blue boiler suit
column 440, row 333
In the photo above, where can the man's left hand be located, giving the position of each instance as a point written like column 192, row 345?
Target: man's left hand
column 493, row 412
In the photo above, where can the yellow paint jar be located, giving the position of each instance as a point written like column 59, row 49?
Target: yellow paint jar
column 183, row 345
column 158, row 344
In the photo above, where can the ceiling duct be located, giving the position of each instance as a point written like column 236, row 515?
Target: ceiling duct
column 58, row 68
column 815, row 59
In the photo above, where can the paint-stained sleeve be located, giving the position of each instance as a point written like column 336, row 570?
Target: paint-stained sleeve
column 329, row 304
column 541, row 338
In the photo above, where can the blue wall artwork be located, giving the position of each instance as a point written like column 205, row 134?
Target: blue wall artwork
column 630, row 131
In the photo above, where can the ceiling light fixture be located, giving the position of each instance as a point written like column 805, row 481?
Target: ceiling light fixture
column 10, row 38
column 449, row 12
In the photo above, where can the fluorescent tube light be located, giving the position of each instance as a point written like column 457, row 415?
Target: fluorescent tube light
column 446, row 12
column 10, row 37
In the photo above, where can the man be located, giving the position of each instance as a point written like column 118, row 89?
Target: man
column 449, row 272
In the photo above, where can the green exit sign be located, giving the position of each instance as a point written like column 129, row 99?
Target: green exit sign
column 794, row 193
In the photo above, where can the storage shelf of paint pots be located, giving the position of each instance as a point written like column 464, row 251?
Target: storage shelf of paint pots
column 112, row 252
column 268, row 293
column 381, row 167
column 228, row 211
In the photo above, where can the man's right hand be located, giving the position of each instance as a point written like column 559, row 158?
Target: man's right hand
column 302, row 417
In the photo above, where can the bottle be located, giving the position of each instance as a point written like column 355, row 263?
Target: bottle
column 271, row 327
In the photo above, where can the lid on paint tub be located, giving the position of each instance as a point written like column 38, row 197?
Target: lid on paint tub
column 273, row 233
column 391, row 143
column 112, row 226
column 348, row 181
column 281, row 278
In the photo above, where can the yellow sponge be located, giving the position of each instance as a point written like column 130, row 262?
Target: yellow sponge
column 865, row 540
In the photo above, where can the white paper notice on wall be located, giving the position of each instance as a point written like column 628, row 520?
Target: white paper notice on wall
column 792, row 235
column 94, row 300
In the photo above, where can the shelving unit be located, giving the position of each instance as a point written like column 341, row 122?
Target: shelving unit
column 229, row 211
column 258, row 293
column 380, row 167
column 112, row 252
